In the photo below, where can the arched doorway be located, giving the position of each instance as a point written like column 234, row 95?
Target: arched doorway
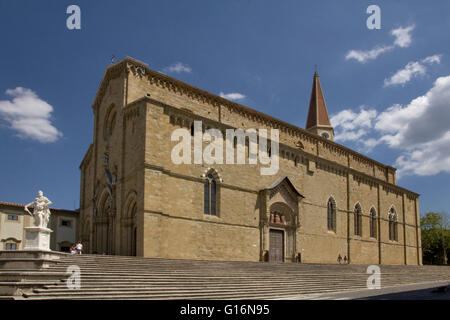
column 129, row 226
column 276, row 245
column 103, row 233
column 281, row 232
column 279, row 214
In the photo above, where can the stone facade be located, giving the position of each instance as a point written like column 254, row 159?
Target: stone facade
column 136, row 201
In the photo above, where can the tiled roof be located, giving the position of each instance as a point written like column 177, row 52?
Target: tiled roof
column 317, row 113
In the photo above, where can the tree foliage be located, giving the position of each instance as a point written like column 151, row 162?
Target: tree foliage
column 435, row 238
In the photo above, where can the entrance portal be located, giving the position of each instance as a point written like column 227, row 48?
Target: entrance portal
column 276, row 246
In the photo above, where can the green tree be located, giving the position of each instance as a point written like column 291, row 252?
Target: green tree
column 435, row 238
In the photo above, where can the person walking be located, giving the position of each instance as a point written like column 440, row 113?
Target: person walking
column 339, row 259
column 345, row 260
column 79, row 247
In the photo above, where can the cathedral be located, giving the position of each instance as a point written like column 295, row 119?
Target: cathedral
column 325, row 200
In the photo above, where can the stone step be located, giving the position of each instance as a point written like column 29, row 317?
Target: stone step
column 115, row 277
column 201, row 286
column 242, row 277
column 171, row 286
column 223, row 285
column 96, row 271
column 190, row 287
column 192, row 295
column 152, row 294
column 261, row 266
column 188, row 294
column 155, row 261
column 228, row 281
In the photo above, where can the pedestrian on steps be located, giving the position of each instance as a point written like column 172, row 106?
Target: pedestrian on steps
column 79, row 247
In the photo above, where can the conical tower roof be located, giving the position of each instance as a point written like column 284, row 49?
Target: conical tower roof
column 317, row 113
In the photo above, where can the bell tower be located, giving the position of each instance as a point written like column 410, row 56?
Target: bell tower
column 318, row 121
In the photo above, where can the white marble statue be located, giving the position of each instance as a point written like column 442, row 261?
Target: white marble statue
column 41, row 212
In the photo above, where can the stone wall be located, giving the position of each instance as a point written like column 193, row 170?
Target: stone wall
column 170, row 221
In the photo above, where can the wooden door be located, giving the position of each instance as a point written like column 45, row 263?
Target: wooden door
column 276, row 246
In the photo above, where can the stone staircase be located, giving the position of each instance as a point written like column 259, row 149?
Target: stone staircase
column 118, row 277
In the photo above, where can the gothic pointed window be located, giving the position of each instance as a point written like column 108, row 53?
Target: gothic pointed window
column 106, row 159
column 373, row 223
column 133, row 211
column 210, row 195
column 213, row 197
column 109, row 122
column 358, row 220
column 331, row 215
column 206, row 197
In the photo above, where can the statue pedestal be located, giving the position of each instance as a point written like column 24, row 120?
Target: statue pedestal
column 37, row 238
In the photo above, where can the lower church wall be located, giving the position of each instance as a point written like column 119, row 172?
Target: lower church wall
column 317, row 248
column 180, row 238
column 411, row 256
column 392, row 253
column 364, row 251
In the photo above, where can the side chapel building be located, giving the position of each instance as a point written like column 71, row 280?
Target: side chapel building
column 325, row 199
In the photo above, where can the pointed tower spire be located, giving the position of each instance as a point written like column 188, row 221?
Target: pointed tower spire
column 318, row 121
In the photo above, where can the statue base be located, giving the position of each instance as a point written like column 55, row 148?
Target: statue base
column 37, row 238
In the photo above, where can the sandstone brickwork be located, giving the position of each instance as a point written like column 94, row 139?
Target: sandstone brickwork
column 136, row 201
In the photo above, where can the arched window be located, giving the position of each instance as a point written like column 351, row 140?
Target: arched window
column 373, row 223
column 331, row 214
column 358, row 220
column 210, row 194
column 109, row 123
column 393, row 228
column 133, row 211
column 106, row 159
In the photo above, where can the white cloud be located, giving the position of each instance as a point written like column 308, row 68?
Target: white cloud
column 29, row 116
column 351, row 126
column 428, row 159
column 232, row 96
column 177, row 67
column 364, row 56
column 433, row 59
column 403, row 36
column 403, row 39
column 420, row 130
column 424, row 120
column 412, row 69
column 370, row 143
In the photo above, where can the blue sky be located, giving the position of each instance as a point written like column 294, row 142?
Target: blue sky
column 385, row 89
